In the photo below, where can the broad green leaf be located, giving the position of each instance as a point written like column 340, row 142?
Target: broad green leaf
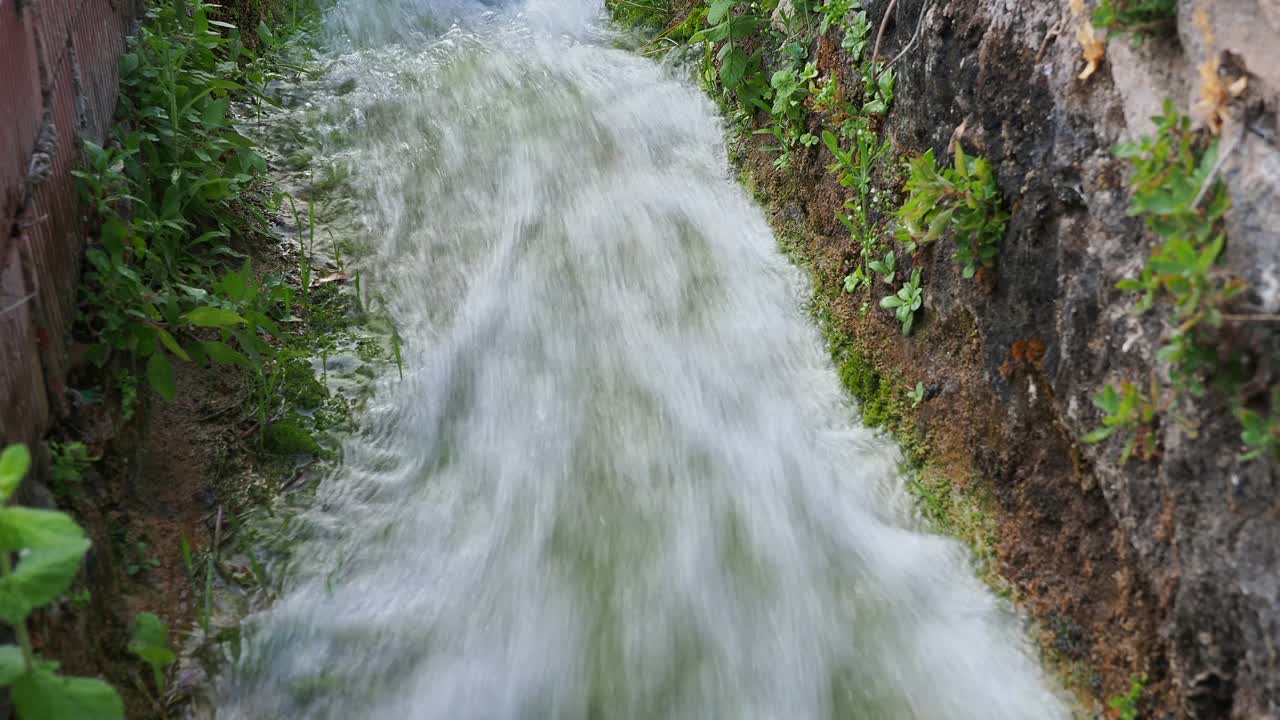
column 169, row 342
column 128, row 63
column 224, row 354
column 43, row 695
column 41, row 577
column 831, row 142
column 215, row 112
column 733, row 68
column 149, row 629
column 713, row 34
column 160, row 376
column 213, row 317
column 14, row 463
column 24, row 527
column 1100, row 434
column 11, row 664
column 743, row 25
column 719, row 8
column 151, row 643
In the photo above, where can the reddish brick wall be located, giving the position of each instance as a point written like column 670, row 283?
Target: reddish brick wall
column 58, row 63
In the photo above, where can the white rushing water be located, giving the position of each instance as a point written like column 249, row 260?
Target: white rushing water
column 619, row 478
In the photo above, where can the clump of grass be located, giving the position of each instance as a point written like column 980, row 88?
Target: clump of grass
column 1137, row 18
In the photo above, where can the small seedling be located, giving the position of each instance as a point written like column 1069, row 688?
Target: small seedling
column 885, row 268
column 1261, row 433
column 916, row 395
column 151, row 643
column 141, row 560
column 878, row 91
column 906, row 302
column 854, row 279
column 1127, row 410
column 1127, row 705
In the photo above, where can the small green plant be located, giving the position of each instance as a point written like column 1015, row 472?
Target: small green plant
column 305, row 247
column 1261, row 433
column 49, row 547
column 826, row 93
column 963, row 200
column 855, row 280
column 168, row 192
column 849, row 17
column 834, row 14
column 916, row 395
column 70, row 460
column 787, row 114
column 878, row 91
column 857, row 34
column 150, row 642
column 1175, row 191
column 1138, row 18
column 855, row 168
column 885, row 268
column 906, row 302
column 738, row 72
column 139, row 560
column 1127, row 705
column 1129, row 411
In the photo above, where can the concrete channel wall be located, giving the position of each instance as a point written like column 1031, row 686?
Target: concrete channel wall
column 58, row 61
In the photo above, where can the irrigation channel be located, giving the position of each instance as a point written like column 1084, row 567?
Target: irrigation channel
column 619, row 478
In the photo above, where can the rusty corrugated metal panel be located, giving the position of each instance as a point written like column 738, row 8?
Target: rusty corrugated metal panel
column 24, row 413
column 98, row 33
column 55, row 232
column 19, row 124
column 58, row 75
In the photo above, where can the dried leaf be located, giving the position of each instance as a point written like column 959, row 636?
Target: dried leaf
column 1094, row 48
column 335, row 277
column 1216, row 95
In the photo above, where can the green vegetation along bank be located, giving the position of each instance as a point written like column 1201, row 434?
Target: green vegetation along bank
column 222, row 340
column 1052, row 278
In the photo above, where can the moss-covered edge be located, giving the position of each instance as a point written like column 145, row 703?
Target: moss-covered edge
column 958, row 502
column 965, row 510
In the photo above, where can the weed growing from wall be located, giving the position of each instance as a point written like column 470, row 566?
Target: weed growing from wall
column 1175, row 191
column 963, row 200
column 1126, row 706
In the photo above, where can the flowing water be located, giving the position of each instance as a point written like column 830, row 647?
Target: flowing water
column 619, row 478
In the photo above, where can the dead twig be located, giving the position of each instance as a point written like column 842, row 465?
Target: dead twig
column 910, row 43
column 875, row 51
